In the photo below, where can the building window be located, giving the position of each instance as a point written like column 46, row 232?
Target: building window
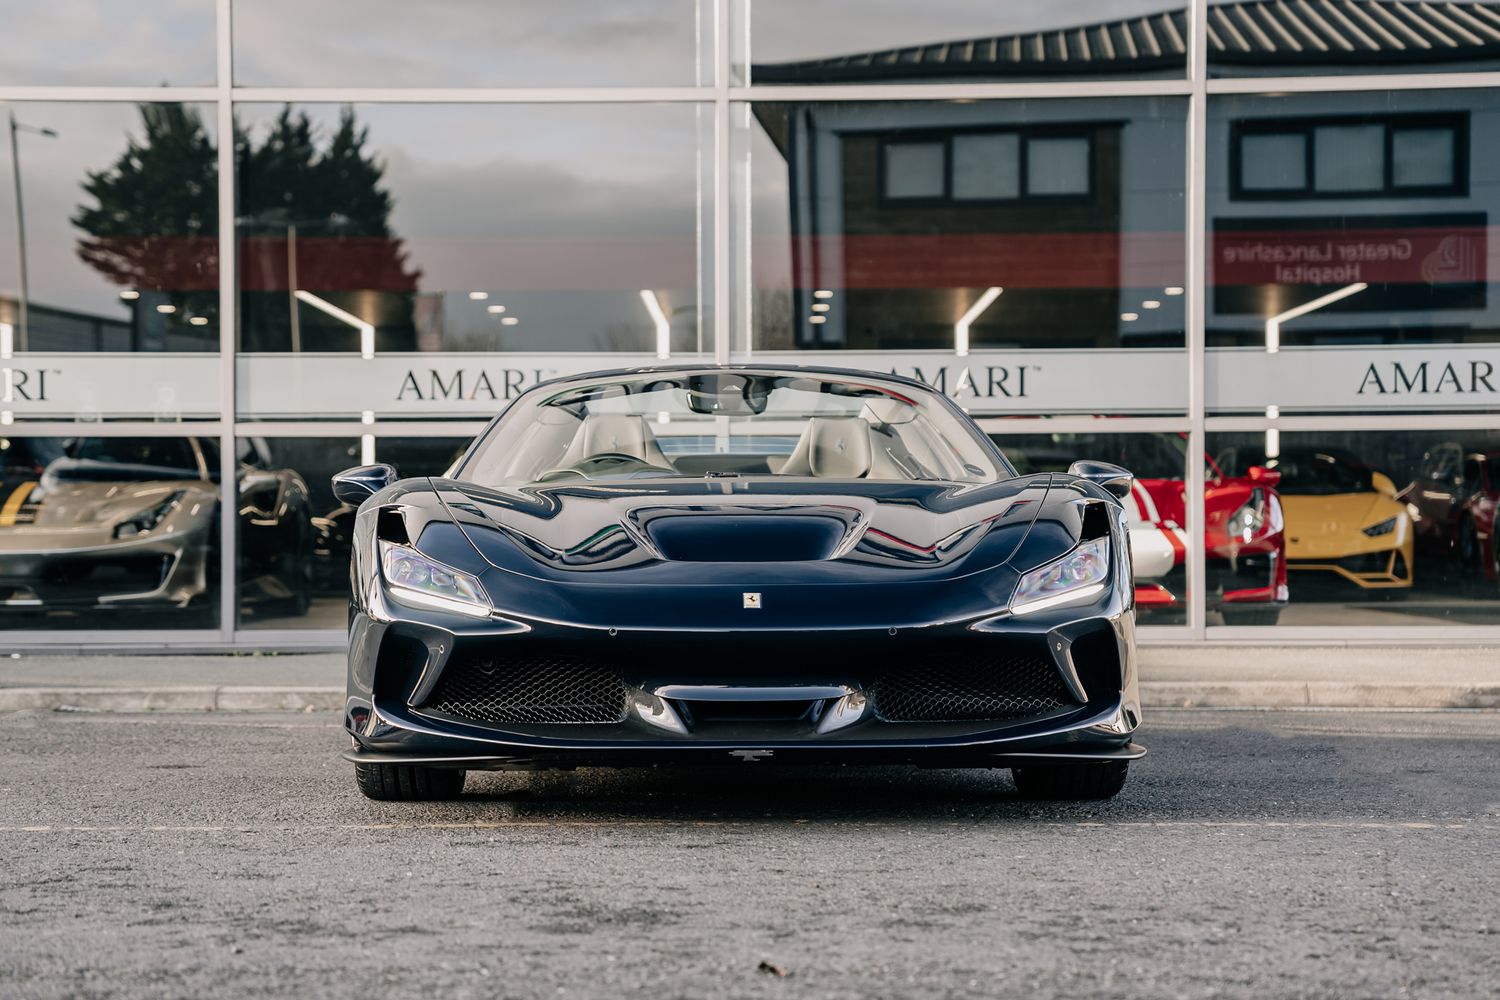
column 914, row 170
column 1349, row 158
column 987, row 166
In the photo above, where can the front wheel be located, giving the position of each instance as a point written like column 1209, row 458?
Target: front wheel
column 1093, row 779
column 408, row 782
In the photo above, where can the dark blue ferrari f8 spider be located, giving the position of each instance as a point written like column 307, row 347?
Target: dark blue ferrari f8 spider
column 729, row 564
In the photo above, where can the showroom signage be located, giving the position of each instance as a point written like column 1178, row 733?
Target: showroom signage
column 287, row 386
column 110, row 386
column 1361, row 378
column 303, row 386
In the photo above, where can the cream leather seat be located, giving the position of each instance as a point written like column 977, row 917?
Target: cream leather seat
column 831, row 448
column 614, row 433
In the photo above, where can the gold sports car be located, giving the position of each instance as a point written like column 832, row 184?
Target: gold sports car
column 1343, row 517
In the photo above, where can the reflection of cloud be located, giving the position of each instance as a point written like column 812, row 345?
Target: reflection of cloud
column 93, row 42
column 464, row 43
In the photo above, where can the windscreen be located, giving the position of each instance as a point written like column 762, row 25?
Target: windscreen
column 1320, row 473
column 731, row 424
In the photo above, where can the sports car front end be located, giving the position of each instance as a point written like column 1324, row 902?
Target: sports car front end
column 721, row 620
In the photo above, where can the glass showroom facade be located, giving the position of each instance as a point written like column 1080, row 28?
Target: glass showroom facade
column 1241, row 248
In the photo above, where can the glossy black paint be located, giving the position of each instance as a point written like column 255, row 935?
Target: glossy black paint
column 355, row 486
column 851, row 578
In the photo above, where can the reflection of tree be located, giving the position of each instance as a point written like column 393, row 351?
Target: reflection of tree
column 317, row 205
column 154, row 227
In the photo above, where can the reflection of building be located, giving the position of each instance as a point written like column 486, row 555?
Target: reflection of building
column 906, row 212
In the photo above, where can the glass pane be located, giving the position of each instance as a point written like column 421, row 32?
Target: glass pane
column 1159, row 538
column 914, row 170
column 1273, row 162
column 109, row 533
column 430, row 260
column 1012, row 302
column 1359, row 301
column 1057, row 166
column 1255, row 38
column 1422, row 157
column 165, row 43
column 986, row 166
column 521, row 43
column 1381, row 528
column 293, row 568
column 893, row 41
column 295, row 535
column 117, row 250
column 1349, row 157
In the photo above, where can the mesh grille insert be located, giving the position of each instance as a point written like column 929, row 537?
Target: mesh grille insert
column 970, row 685
column 530, row 686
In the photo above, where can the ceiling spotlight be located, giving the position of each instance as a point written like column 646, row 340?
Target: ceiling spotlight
column 199, row 321
column 821, row 307
column 509, row 321
column 479, row 296
column 494, row 310
column 1151, row 304
column 130, row 294
column 817, row 319
column 1130, row 317
column 167, row 309
column 1173, row 289
column 822, row 293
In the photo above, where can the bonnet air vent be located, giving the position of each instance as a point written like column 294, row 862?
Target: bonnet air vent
column 390, row 526
column 1095, row 521
column 745, row 538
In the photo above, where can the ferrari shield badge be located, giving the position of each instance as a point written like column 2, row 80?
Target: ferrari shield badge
column 752, row 600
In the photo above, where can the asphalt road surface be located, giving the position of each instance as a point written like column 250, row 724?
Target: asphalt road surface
column 1300, row 854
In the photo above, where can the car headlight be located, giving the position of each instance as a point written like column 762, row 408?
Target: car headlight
column 425, row 582
column 1383, row 528
column 1246, row 522
column 1078, row 575
column 147, row 520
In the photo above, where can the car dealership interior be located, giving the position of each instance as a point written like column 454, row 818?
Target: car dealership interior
column 1240, row 248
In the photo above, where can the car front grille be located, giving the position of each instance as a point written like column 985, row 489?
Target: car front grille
column 536, row 682
column 970, row 686
column 530, row 686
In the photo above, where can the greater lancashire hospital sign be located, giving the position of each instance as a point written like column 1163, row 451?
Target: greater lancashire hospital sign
column 1029, row 383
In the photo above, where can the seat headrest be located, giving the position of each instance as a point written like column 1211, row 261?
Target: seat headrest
column 831, row 448
column 620, row 433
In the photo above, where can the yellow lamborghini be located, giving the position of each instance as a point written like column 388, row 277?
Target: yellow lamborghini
column 1343, row 517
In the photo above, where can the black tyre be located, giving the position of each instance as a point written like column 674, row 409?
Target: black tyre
column 1251, row 615
column 408, row 782
column 1094, row 779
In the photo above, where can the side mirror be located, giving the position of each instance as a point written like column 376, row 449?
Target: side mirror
column 355, row 486
column 1112, row 478
column 1264, row 476
column 1383, row 484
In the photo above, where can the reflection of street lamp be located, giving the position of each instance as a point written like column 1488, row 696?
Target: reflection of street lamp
column 366, row 330
column 658, row 320
column 961, row 328
column 1273, row 325
column 15, row 167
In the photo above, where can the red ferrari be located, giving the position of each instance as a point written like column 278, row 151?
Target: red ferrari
column 1244, row 538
